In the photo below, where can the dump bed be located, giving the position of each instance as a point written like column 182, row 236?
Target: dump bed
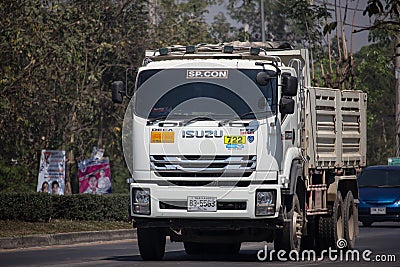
column 335, row 127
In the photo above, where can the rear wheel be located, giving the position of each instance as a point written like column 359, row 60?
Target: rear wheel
column 338, row 220
column 289, row 237
column 308, row 241
column 325, row 233
column 331, row 228
column 151, row 243
column 350, row 221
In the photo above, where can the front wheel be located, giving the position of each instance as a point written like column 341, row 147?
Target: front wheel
column 289, row 237
column 151, row 243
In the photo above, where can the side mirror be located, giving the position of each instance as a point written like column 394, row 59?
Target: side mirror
column 262, row 78
column 117, row 91
column 286, row 105
column 289, row 85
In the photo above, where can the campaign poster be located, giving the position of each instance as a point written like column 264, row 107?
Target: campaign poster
column 94, row 176
column 51, row 178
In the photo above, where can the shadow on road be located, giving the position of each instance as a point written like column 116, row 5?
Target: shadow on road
column 382, row 225
column 243, row 256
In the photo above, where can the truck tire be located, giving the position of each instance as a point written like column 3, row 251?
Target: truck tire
column 211, row 248
column 350, row 220
column 308, row 241
column 331, row 228
column 151, row 243
column 325, row 233
column 338, row 220
column 289, row 237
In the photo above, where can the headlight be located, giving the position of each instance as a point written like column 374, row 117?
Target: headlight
column 265, row 203
column 397, row 202
column 141, row 201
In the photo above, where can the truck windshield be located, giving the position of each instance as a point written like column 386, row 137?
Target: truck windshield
column 379, row 178
column 232, row 93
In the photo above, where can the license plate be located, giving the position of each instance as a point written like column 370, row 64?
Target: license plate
column 378, row 210
column 239, row 139
column 195, row 203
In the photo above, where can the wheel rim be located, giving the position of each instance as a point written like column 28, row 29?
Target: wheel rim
column 351, row 224
column 297, row 222
column 339, row 224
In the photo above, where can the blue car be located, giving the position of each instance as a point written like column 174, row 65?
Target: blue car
column 379, row 194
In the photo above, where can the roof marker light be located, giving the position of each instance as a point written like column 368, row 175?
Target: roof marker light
column 228, row 49
column 254, row 51
column 190, row 49
column 163, row 51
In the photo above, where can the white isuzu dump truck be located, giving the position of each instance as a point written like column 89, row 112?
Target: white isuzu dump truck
column 230, row 143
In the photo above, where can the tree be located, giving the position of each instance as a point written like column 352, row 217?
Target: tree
column 58, row 58
column 180, row 22
column 221, row 30
column 386, row 19
column 374, row 75
column 385, row 29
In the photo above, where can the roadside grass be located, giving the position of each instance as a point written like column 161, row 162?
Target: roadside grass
column 19, row 228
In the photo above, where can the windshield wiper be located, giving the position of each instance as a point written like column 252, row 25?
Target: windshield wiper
column 163, row 117
column 186, row 122
column 241, row 116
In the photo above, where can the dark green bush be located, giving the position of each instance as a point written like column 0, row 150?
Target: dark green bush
column 41, row 207
column 31, row 207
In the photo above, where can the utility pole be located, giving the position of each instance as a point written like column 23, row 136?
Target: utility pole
column 397, row 70
column 262, row 21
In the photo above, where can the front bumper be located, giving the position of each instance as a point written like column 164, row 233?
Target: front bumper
column 179, row 195
column 211, row 224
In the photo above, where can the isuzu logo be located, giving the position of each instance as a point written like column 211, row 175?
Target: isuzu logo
column 202, row 134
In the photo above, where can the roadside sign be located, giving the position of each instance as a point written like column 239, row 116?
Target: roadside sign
column 393, row 161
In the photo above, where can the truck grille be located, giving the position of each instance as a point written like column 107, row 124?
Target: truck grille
column 203, row 166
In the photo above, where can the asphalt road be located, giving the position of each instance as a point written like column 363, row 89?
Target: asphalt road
column 382, row 239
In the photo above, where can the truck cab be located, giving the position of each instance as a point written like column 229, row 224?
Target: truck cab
column 217, row 141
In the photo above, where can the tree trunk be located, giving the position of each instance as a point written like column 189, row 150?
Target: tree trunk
column 100, row 130
column 70, row 156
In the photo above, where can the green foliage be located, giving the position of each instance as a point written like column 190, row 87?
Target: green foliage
column 221, row 30
column 386, row 20
column 58, row 60
column 179, row 22
column 14, row 228
column 15, row 177
column 36, row 207
column 25, row 206
column 290, row 20
column 374, row 74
